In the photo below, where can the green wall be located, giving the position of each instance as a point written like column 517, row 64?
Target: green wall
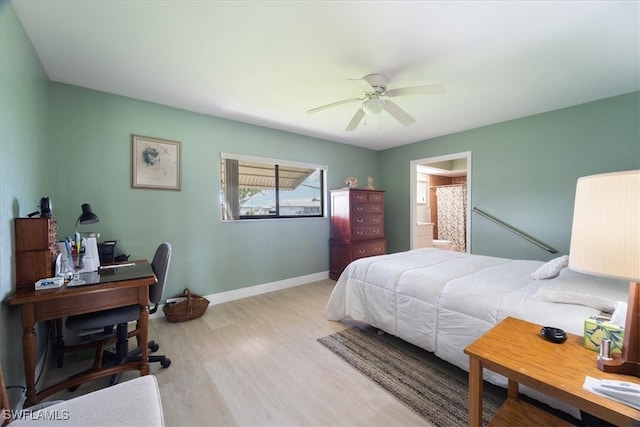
column 92, row 134
column 25, row 168
column 524, row 172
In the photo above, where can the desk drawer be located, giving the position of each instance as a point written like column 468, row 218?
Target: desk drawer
column 87, row 303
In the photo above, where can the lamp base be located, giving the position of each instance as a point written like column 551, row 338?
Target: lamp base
column 629, row 362
column 619, row 366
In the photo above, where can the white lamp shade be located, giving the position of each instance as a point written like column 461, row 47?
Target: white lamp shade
column 605, row 237
column 373, row 106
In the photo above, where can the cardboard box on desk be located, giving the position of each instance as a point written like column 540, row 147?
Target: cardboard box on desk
column 597, row 327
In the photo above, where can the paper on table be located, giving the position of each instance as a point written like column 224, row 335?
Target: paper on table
column 106, row 267
column 590, row 382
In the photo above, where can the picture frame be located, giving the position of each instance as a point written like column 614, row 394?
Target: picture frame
column 155, row 163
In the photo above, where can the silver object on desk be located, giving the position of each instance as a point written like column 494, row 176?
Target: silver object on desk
column 605, row 350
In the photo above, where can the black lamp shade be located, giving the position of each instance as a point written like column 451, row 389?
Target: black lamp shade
column 87, row 217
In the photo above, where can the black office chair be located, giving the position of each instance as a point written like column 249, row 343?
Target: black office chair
column 121, row 316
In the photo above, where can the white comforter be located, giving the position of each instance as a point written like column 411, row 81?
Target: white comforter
column 443, row 300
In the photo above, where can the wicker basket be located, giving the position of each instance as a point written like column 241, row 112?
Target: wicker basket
column 191, row 308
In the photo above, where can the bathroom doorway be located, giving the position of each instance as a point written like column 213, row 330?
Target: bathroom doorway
column 441, row 202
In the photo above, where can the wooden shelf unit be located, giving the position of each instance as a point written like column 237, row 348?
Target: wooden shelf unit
column 36, row 250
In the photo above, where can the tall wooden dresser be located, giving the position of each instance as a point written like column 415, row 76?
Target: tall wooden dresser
column 357, row 227
column 36, row 249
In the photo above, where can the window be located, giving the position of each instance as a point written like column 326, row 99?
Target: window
column 257, row 188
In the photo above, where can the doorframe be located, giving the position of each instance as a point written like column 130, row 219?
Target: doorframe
column 413, row 184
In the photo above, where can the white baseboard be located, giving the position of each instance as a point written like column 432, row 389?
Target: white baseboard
column 251, row 291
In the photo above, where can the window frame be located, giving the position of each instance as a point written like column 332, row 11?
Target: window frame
column 276, row 163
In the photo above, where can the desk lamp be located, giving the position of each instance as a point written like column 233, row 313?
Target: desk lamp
column 87, row 216
column 605, row 241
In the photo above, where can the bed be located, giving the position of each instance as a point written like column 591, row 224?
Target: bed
column 443, row 300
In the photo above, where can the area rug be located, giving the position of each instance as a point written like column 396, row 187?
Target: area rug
column 437, row 397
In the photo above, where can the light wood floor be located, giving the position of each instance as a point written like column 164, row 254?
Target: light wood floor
column 256, row 362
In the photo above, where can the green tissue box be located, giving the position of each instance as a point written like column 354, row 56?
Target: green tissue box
column 597, row 327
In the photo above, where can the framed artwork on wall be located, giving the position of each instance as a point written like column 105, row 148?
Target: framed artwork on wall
column 155, row 163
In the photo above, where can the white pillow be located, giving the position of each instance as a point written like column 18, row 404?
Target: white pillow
column 571, row 287
column 551, row 268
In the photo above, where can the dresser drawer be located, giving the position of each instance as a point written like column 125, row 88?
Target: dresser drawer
column 366, row 197
column 373, row 208
column 344, row 253
column 367, row 220
column 368, row 232
column 362, row 250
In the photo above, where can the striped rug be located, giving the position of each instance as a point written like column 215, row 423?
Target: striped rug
column 439, row 398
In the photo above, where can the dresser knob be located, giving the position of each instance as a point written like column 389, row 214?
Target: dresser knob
column 360, row 220
column 359, row 232
column 362, row 251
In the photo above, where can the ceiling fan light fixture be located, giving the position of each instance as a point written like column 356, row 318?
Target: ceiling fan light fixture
column 373, row 106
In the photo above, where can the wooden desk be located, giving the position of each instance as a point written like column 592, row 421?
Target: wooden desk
column 109, row 288
column 515, row 349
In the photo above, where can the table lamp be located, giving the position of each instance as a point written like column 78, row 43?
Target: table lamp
column 605, row 241
column 87, row 216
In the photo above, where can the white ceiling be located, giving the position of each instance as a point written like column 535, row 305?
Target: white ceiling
column 268, row 62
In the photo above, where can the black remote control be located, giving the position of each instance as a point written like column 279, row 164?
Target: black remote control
column 555, row 335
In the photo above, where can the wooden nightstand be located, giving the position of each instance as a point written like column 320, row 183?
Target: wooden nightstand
column 515, row 349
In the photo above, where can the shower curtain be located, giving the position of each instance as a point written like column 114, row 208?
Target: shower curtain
column 452, row 215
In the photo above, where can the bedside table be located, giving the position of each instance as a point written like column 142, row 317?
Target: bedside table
column 515, row 349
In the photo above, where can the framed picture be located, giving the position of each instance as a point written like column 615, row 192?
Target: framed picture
column 155, row 163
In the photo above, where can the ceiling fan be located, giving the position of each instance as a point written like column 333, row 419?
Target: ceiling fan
column 373, row 98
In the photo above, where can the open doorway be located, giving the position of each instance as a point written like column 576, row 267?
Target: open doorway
column 441, row 202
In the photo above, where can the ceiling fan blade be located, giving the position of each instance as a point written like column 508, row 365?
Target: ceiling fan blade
column 398, row 113
column 355, row 121
column 334, row 104
column 416, row 90
column 372, row 83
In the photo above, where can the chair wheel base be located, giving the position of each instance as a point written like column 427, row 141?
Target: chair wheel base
column 153, row 346
column 165, row 363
